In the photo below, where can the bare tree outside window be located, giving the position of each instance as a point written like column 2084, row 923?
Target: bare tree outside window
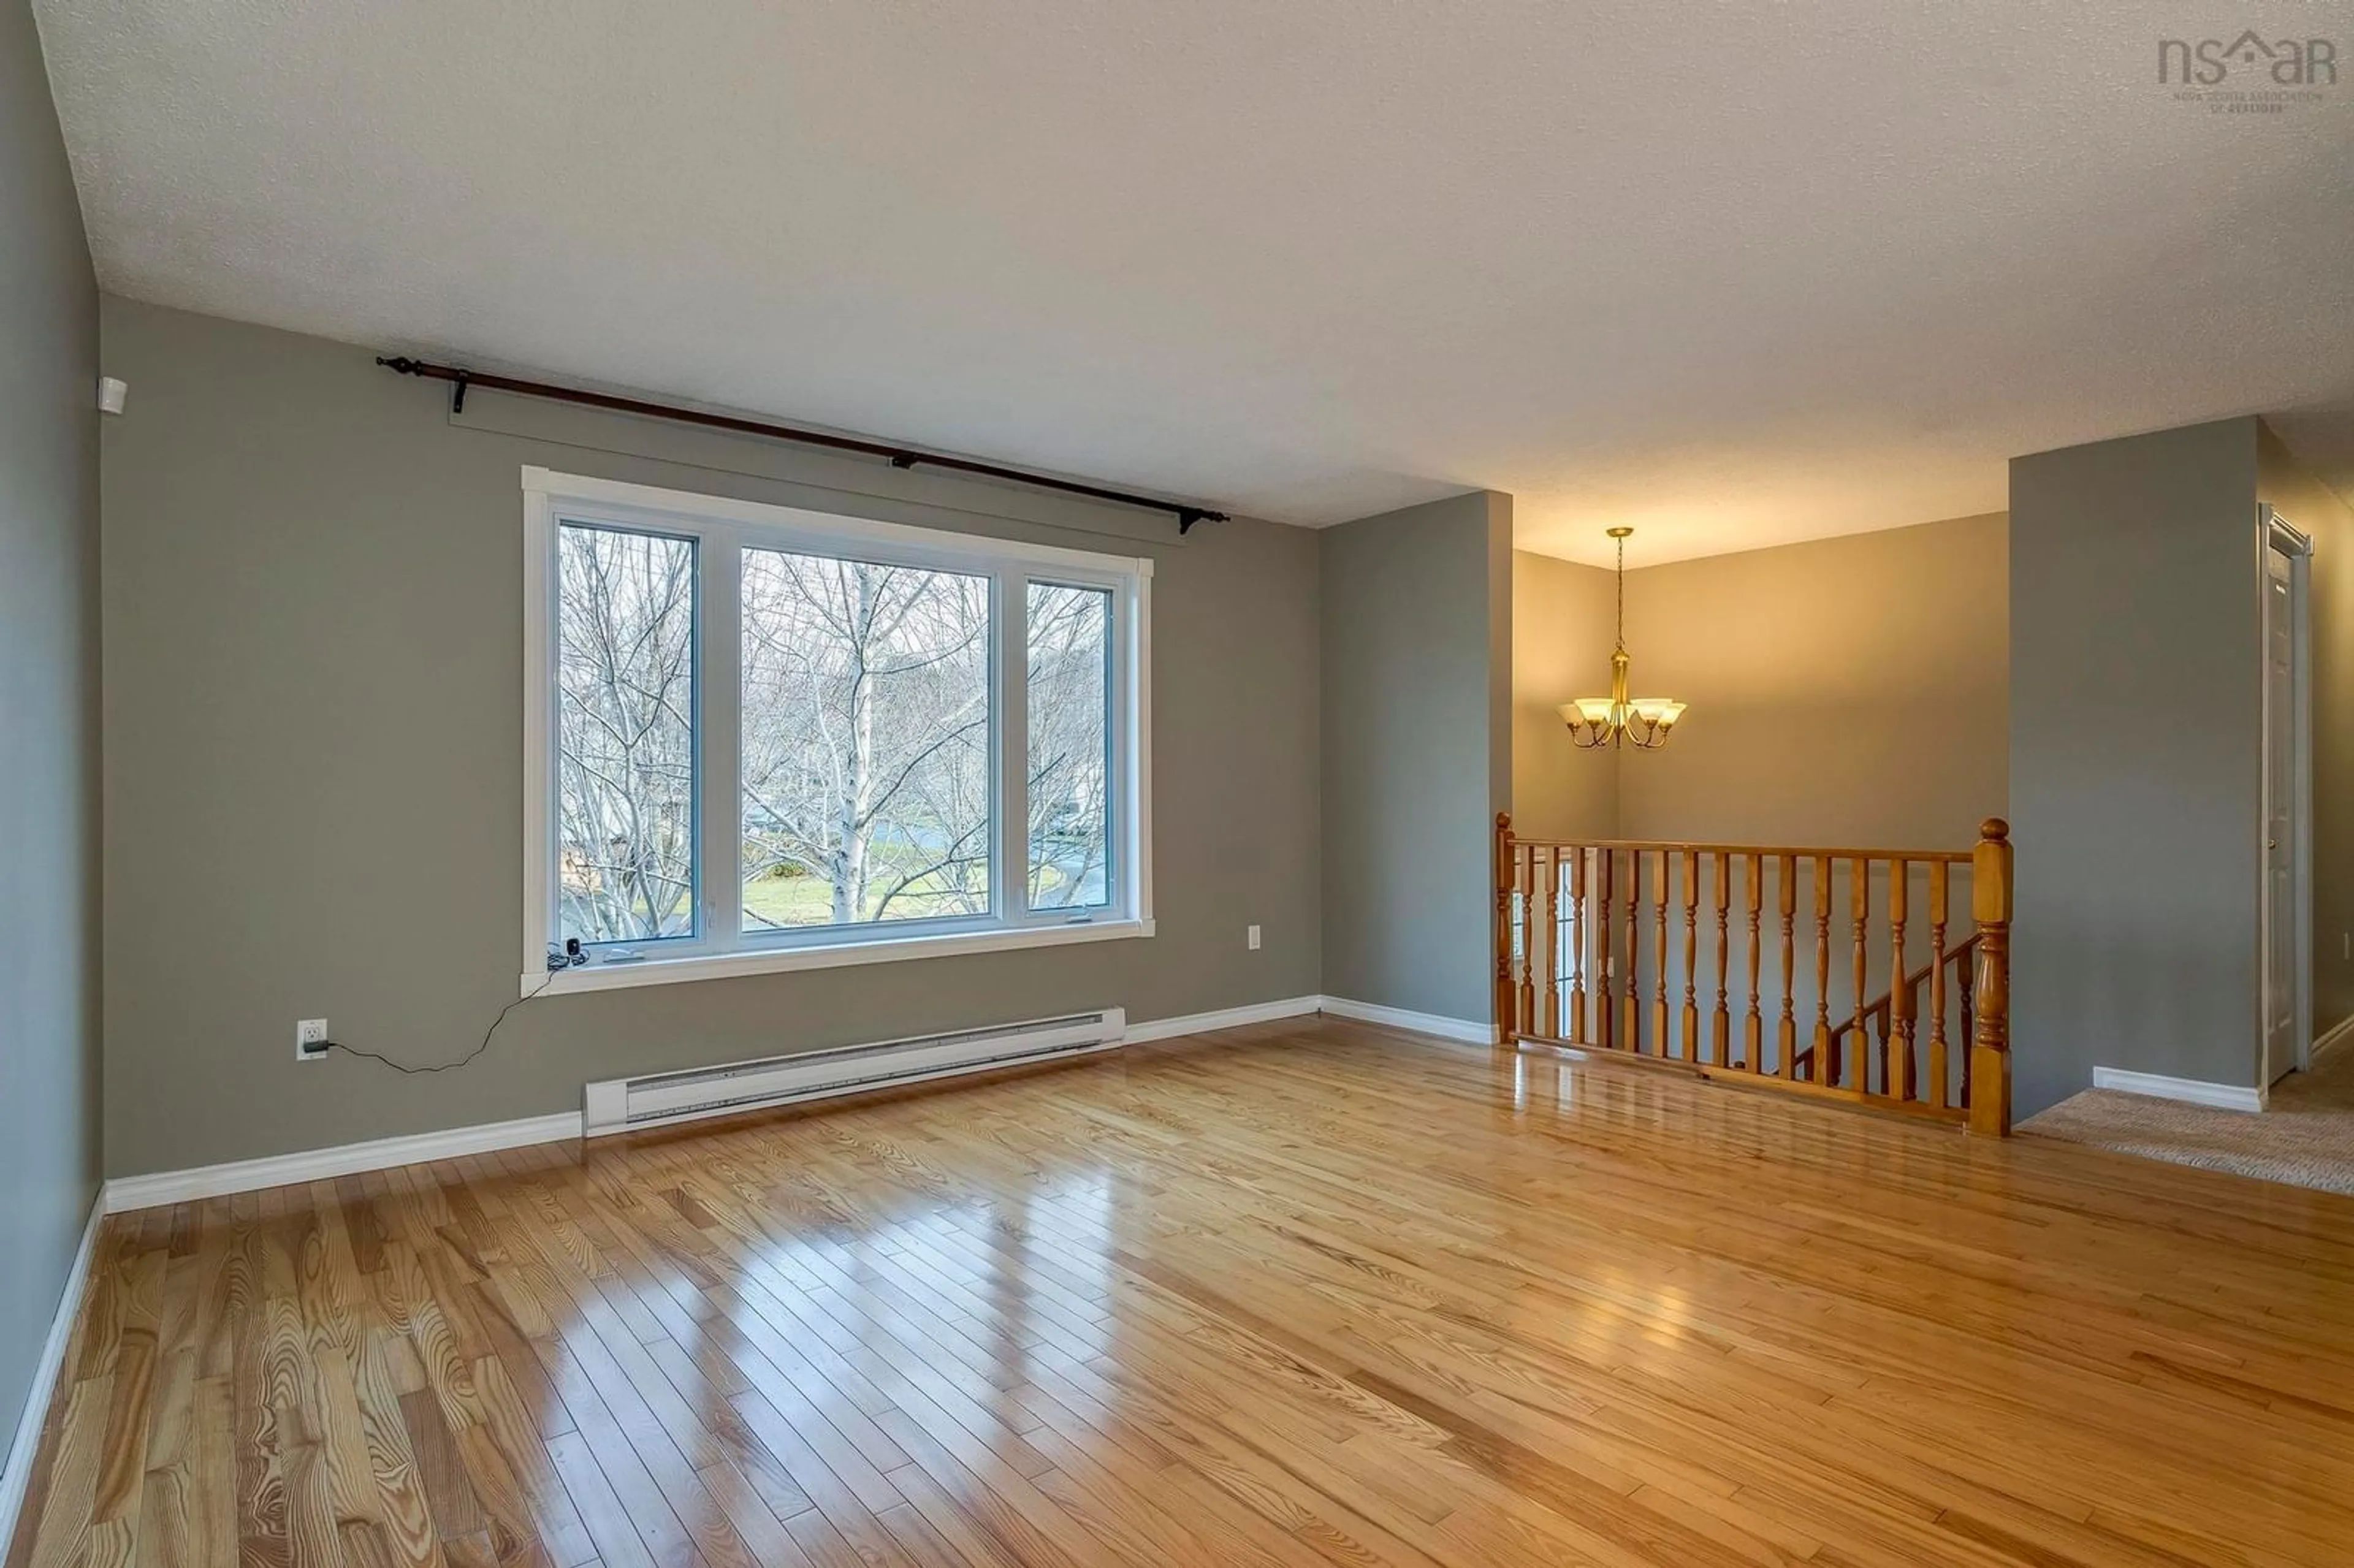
column 773, row 738
column 1070, row 749
column 865, row 742
column 625, row 726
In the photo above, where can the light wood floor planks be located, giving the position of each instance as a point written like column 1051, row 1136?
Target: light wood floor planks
column 1297, row 1293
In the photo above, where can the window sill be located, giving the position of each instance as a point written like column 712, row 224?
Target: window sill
column 725, row 966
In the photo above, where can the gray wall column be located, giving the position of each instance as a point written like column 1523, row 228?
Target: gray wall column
column 1417, row 641
column 2135, row 766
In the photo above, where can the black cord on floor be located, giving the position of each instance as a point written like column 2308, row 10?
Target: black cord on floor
column 445, row 1066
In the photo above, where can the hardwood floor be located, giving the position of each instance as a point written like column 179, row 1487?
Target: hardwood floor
column 1294, row 1293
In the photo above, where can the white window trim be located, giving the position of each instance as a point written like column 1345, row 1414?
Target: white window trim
column 722, row 526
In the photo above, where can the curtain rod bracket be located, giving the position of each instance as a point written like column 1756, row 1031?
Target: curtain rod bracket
column 458, row 384
column 903, row 460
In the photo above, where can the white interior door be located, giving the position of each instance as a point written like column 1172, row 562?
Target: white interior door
column 2284, row 762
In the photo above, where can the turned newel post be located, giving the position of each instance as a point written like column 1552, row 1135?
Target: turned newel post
column 1504, row 882
column 1991, row 1039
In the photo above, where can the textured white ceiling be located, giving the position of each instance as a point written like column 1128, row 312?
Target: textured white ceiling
column 1735, row 274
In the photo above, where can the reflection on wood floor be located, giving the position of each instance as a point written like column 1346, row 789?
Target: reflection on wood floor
column 1294, row 1293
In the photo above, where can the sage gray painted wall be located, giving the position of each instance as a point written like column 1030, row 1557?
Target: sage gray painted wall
column 2136, row 773
column 1417, row 632
column 2323, row 518
column 312, row 700
column 1848, row 691
column 1561, row 626
column 49, row 715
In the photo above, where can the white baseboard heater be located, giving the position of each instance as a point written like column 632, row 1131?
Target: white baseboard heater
column 625, row 1104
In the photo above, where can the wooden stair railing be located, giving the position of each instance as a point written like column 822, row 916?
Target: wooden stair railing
column 1881, row 1012
column 1599, row 947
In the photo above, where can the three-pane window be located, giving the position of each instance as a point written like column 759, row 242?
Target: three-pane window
column 765, row 731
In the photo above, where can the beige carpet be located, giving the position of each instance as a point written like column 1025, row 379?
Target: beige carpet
column 2304, row 1137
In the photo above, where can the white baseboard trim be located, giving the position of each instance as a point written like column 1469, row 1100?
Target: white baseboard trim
column 128, row 1192
column 125, row 1193
column 2192, row 1091
column 1468, row 1030
column 1223, row 1018
column 17, row 1475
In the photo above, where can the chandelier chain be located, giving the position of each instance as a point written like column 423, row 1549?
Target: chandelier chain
column 1622, row 591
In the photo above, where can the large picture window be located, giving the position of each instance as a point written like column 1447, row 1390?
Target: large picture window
column 761, row 737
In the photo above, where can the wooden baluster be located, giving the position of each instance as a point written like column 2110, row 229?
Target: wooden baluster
column 1518, row 913
column 1823, row 1073
column 1721, row 1028
column 1503, row 1003
column 1630, row 1023
column 1605, row 1034
column 1660, row 955
column 1939, row 898
column 1550, row 978
column 1967, row 988
column 1896, row 1078
column 1691, row 956
column 1543, row 941
column 1991, row 869
column 1555, row 978
column 1577, row 920
column 1860, row 888
column 1525, row 876
column 1753, row 1028
column 1785, row 1035
column 1630, row 985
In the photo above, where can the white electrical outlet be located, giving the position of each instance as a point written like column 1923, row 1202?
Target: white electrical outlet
column 309, row 1039
column 1250, row 935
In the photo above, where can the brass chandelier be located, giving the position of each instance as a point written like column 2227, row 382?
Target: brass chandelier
column 1618, row 720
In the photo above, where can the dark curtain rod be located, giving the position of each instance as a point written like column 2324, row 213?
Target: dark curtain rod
column 899, row 457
